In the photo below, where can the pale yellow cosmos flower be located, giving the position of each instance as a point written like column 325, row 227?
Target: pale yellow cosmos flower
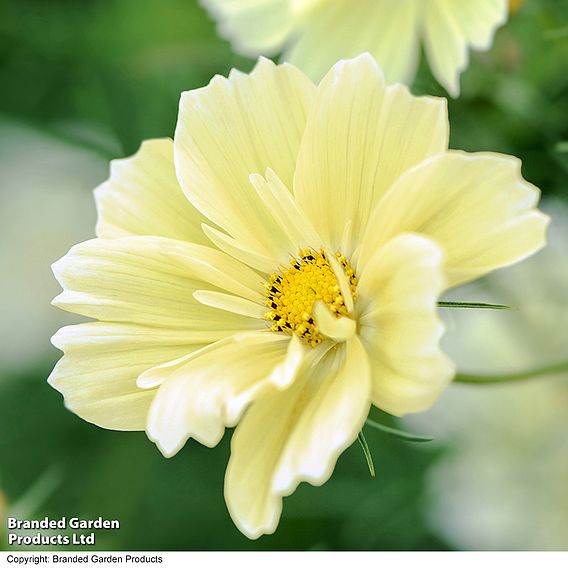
column 313, row 34
column 292, row 281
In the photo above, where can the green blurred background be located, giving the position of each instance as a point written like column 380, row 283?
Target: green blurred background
column 86, row 81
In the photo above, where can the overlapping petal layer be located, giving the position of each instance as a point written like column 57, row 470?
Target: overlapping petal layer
column 476, row 206
column 236, row 127
column 143, row 197
column 102, row 361
column 151, row 281
column 202, row 393
column 296, row 435
column 399, row 326
column 291, row 229
column 141, row 288
column 360, row 137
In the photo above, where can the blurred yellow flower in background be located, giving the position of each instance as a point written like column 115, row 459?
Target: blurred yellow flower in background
column 337, row 216
column 515, row 5
column 313, row 34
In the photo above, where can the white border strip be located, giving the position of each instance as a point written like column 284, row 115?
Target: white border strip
column 284, row 559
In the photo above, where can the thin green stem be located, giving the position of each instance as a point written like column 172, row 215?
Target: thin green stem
column 367, row 452
column 409, row 437
column 510, row 377
column 473, row 305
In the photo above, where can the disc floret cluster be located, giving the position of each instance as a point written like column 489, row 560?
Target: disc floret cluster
column 292, row 292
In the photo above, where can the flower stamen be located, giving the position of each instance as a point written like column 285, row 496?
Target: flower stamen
column 292, row 292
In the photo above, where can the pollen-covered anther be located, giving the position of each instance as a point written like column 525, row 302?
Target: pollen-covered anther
column 291, row 293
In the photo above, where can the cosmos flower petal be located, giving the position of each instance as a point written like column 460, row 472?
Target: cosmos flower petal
column 399, row 325
column 97, row 375
column 203, row 393
column 230, row 303
column 360, row 137
column 517, row 239
column 235, row 127
column 451, row 27
column 296, row 435
column 314, row 34
column 336, row 328
column 290, row 228
column 150, row 281
column 342, row 281
column 284, row 374
column 388, row 30
column 476, row 206
column 254, row 26
column 235, row 249
column 143, row 197
column 285, row 211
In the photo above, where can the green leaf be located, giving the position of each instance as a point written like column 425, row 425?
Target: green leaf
column 473, row 305
column 367, row 452
column 398, row 433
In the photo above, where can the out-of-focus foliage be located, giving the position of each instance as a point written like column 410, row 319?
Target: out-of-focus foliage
column 90, row 80
column 178, row 504
column 46, row 206
column 117, row 66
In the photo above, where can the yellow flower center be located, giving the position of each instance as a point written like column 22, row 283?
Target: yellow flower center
column 291, row 293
